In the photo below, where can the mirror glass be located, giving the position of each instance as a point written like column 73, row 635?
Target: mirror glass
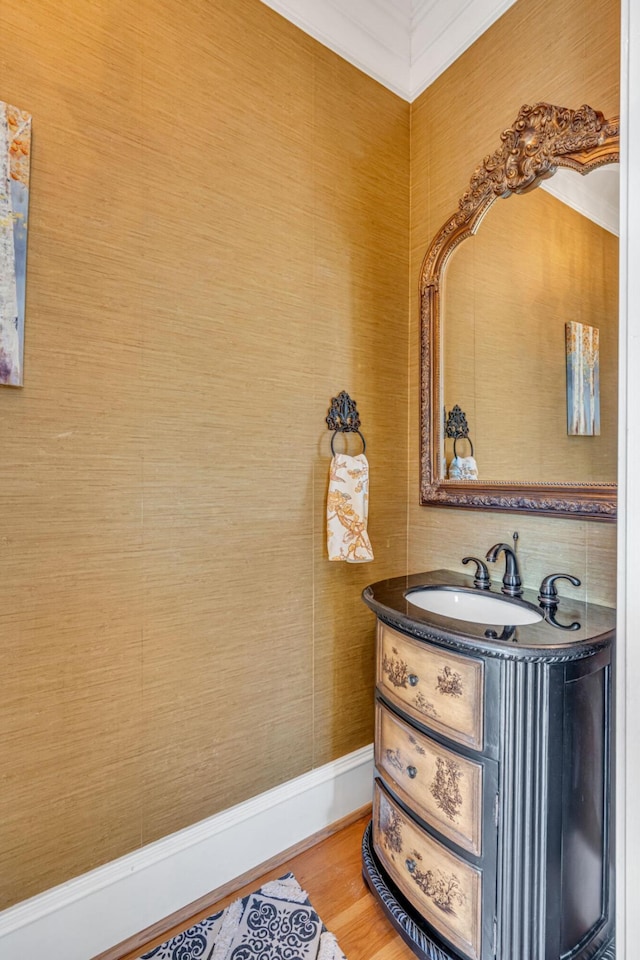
column 519, row 325
column 538, row 261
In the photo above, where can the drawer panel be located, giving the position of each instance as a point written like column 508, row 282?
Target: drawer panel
column 443, row 888
column 443, row 788
column 442, row 690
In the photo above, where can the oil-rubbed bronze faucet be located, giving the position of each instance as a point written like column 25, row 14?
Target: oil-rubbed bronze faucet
column 511, row 582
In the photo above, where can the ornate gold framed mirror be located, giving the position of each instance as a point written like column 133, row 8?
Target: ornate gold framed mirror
column 496, row 321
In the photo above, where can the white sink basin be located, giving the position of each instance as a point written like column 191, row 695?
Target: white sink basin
column 474, row 606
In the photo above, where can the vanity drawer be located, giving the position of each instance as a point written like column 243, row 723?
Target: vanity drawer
column 441, row 690
column 443, row 888
column 442, row 787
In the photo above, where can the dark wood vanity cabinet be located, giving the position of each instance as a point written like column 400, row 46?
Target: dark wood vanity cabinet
column 491, row 830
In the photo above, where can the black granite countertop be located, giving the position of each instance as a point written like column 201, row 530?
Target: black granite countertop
column 390, row 600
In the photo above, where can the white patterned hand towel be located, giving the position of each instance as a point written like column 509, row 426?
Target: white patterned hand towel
column 347, row 509
column 463, row 468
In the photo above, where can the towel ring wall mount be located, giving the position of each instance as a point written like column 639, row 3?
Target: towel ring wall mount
column 457, row 428
column 343, row 417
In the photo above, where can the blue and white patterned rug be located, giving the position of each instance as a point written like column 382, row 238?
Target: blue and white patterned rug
column 277, row 922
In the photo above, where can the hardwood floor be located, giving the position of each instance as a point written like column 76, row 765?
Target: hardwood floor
column 330, row 872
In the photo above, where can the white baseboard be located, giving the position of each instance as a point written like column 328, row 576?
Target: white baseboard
column 85, row 916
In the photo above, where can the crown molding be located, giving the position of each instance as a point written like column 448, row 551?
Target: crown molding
column 373, row 35
column 441, row 32
column 403, row 44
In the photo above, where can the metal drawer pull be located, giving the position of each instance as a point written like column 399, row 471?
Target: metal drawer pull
column 411, row 865
column 413, row 679
column 412, row 771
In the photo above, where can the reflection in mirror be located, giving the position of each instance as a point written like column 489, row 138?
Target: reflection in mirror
column 535, row 264
column 514, row 318
column 597, row 195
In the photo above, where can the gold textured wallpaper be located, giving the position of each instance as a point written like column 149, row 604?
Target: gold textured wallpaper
column 218, row 245
column 565, row 52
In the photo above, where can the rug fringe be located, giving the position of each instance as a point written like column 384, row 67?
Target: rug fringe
column 228, row 930
column 285, row 888
column 329, row 949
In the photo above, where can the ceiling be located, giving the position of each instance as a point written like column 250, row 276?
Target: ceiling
column 404, row 44
column 407, row 44
column 595, row 196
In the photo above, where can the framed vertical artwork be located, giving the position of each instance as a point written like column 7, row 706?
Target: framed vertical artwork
column 15, row 155
column 583, row 379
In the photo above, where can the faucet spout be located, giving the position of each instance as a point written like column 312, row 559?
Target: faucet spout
column 511, row 582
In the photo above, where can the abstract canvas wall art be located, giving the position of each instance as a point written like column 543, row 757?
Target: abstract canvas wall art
column 583, row 379
column 15, row 155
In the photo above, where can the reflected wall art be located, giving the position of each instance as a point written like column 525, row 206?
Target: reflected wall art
column 583, row 379
column 15, row 154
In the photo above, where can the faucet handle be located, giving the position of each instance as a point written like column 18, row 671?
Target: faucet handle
column 548, row 595
column 482, row 579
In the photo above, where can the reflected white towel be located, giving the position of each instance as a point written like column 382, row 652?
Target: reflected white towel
column 347, row 509
column 463, row 468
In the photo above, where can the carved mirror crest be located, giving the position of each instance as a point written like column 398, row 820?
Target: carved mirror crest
column 542, row 139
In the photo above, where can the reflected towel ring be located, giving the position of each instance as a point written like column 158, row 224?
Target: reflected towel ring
column 364, row 443
column 455, row 452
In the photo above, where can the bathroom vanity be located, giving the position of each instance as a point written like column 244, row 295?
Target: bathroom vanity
column 491, row 831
